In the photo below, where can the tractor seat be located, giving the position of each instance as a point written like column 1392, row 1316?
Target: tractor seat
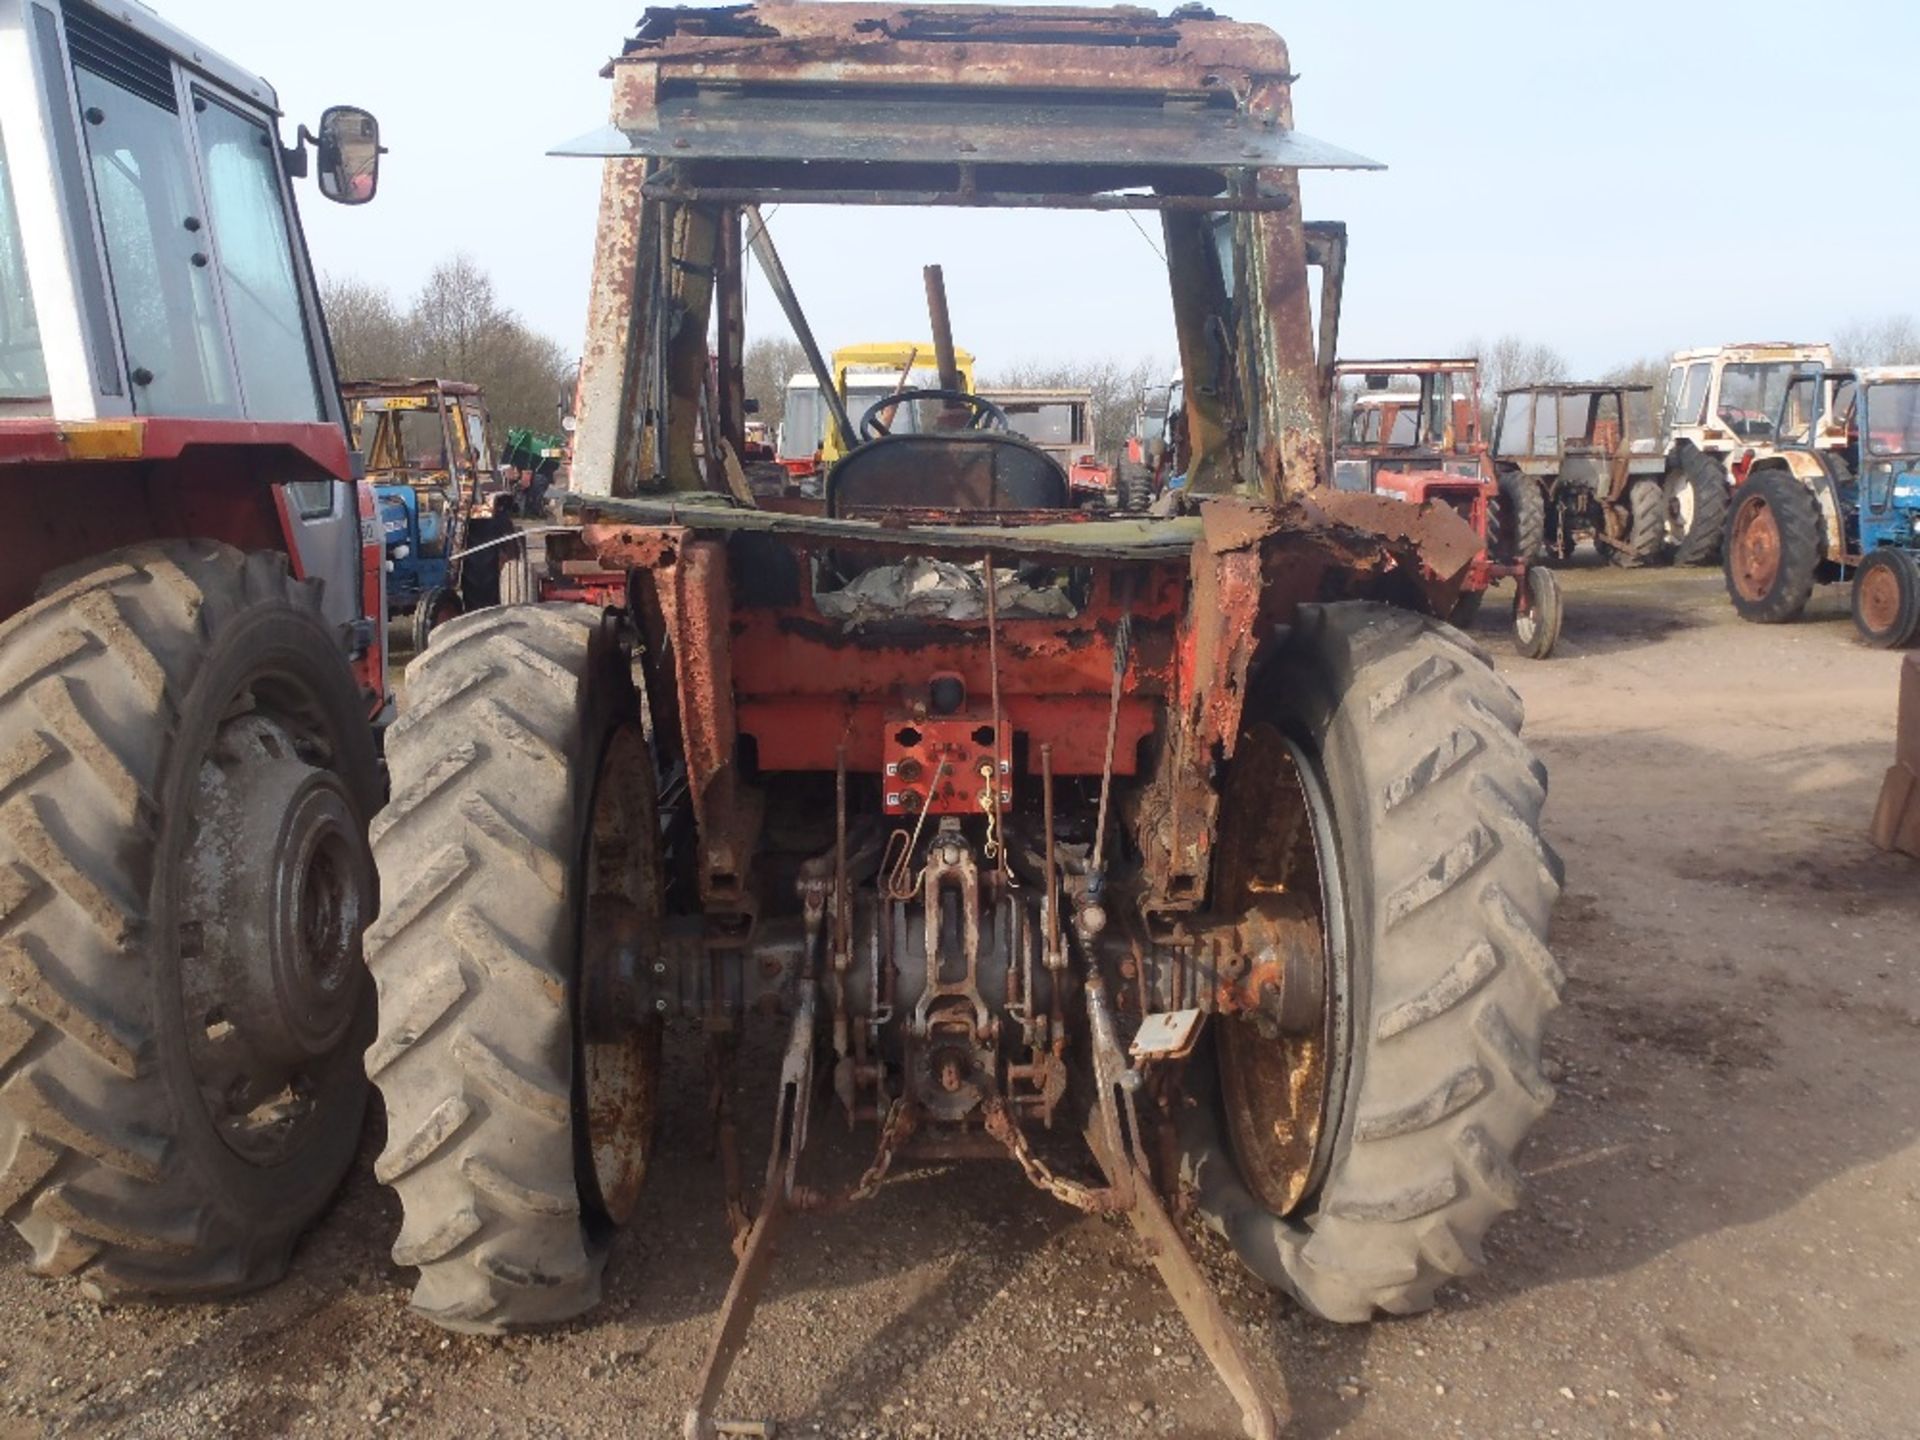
column 963, row 470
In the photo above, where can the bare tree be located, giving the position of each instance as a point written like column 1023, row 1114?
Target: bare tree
column 1892, row 341
column 455, row 329
column 769, row 363
column 1116, row 388
column 1509, row 362
column 370, row 339
column 1650, row 370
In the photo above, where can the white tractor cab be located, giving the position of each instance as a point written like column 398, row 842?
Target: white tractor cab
column 192, row 663
column 866, row 375
column 1718, row 419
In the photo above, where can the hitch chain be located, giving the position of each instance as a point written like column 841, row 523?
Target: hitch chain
column 1005, row 1127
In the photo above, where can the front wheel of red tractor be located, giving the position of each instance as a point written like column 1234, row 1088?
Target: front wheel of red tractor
column 186, row 775
column 1383, row 757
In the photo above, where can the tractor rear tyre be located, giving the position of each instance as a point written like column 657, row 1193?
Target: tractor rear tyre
column 1132, row 486
column 1886, row 599
column 519, row 858
column 1401, row 748
column 518, row 583
column 186, row 775
column 435, row 609
column 1696, row 496
column 1772, row 547
column 1523, row 519
column 1646, row 538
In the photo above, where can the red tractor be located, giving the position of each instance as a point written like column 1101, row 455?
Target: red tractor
column 1411, row 429
column 191, row 665
column 1191, row 833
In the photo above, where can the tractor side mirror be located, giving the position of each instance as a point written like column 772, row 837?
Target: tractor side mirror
column 350, row 152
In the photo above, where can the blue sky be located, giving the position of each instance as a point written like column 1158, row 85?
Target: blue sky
column 1615, row 181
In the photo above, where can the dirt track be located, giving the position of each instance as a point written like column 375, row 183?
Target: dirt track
column 1722, row 1236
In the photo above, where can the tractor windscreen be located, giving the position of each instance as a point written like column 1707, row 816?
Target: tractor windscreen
column 1893, row 418
column 23, row 368
column 1045, row 423
column 1750, row 395
column 408, row 440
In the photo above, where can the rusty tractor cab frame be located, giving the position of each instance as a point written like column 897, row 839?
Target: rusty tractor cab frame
column 1411, row 429
column 192, row 664
column 1579, row 460
column 430, row 511
column 984, row 792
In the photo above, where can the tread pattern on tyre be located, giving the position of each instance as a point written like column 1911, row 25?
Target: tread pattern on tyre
column 1445, row 1077
column 1797, row 514
column 91, row 677
column 471, row 959
column 1708, row 477
column 1647, row 524
column 1523, row 521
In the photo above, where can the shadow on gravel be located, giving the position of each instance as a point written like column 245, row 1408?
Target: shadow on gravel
column 1740, row 1023
column 1609, row 610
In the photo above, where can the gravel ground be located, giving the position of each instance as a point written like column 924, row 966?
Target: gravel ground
column 1720, row 1237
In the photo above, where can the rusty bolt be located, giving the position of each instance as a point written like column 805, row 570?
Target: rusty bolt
column 661, row 1004
column 952, row 1074
column 909, row 769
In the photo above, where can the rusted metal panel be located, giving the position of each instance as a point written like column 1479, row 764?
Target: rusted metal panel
column 1174, row 819
column 696, row 601
column 1066, row 86
column 612, row 405
column 1289, row 439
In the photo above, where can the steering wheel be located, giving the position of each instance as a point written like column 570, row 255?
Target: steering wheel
column 985, row 414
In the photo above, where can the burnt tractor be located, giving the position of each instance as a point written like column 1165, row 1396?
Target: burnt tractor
column 1582, row 462
column 192, row 659
column 1195, row 835
column 1411, row 429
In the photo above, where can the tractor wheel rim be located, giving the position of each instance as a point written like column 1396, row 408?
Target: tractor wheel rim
column 1756, row 549
column 1879, row 598
column 1283, row 1090
column 619, row 1050
column 276, row 889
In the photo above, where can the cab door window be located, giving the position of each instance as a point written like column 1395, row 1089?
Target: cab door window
column 254, row 253
column 23, row 368
column 159, row 256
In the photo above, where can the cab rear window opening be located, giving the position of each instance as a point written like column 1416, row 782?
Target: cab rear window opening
column 23, row 366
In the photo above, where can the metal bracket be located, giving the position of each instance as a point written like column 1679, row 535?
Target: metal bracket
column 1120, row 1155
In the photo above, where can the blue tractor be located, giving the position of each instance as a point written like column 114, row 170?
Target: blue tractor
column 1839, row 501
column 432, row 469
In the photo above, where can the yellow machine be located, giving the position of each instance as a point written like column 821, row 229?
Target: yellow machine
column 863, row 374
